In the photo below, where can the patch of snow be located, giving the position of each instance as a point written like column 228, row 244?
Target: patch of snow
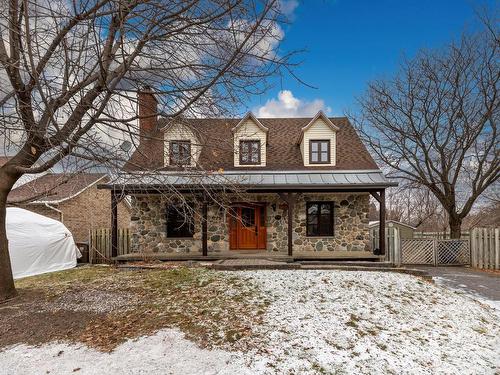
column 368, row 322
column 317, row 322
column 166, row 352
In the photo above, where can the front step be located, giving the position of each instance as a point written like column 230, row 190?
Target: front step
column 348, row 263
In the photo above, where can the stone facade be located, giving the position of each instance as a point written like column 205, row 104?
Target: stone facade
column 351, row 232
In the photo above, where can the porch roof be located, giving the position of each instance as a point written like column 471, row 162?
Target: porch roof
column 251, row 180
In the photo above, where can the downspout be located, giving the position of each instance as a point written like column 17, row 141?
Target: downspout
column 61, row 217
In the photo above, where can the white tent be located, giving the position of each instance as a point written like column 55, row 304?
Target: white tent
column 38, row 244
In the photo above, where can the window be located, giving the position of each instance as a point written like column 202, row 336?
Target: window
column 249, row 152
column 179, row 221
column 319, row 152
column 180, row 152
column 320, row 219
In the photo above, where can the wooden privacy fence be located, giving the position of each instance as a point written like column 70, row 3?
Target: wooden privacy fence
column 485, row 248
column 100, row 244
column 391, row 236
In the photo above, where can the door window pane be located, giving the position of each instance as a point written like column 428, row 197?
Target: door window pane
column 248, row 217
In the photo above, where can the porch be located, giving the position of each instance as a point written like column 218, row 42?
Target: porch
column 281, row 221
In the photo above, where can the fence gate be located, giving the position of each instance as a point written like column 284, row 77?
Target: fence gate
column 433, row 252
column 417, row 251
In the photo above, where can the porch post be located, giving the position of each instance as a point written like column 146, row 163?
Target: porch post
column 381, row 228
column 204, row 226
column 289, row 199
column 291, row 207
column 114, row 224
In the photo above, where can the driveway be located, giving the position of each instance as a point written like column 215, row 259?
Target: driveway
column 482, row 284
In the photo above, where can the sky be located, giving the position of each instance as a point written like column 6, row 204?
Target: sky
column 350, row 42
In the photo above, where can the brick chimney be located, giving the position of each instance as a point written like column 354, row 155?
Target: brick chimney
column 148, row 112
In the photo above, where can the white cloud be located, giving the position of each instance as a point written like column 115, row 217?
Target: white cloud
column 288, row 105
column 287, row 7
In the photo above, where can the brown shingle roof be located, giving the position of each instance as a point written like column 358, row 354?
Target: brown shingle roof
column 53, row 187
column 283, row 151
column 4, row 159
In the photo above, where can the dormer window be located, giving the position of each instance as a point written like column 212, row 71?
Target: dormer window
column 319, row 151
column 249, row 152
column 180, row 152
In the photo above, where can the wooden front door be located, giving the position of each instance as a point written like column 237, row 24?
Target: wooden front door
column 247, row 227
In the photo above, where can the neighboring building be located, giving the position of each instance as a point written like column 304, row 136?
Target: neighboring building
column 284, row 186
column 71, row 199
column 405, row 230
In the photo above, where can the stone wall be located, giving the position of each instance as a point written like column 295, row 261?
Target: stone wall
column 351, row 233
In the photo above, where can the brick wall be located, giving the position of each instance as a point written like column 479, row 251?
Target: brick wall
column 89, row 210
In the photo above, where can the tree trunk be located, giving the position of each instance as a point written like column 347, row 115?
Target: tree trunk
column 455, row 227
column 7, row 288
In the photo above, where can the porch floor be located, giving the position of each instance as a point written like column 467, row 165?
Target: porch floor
column 255, row 254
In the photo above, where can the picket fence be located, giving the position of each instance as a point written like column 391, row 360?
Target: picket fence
column 485, row 248
column 100, row 244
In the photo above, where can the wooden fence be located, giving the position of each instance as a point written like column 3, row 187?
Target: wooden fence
column 100, row 244
column 438, row 235
column 485, row 248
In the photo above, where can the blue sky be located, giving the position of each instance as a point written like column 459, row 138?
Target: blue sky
column 350, row 42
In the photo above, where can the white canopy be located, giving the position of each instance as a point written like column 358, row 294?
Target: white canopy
column 38, row 244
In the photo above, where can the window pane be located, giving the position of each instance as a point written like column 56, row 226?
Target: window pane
column 325, row 228
column 250, row 152
column 180, row 152
column 248, row 217
column 324, row 156
column 314, row 146
column 314, row 157
column 320, row 219
column 179, row 222
column 325, row 208
column 312, row 209
column 312, row 230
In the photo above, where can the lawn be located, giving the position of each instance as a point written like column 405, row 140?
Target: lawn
column 95, row 320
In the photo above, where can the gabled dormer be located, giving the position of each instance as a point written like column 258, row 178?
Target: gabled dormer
column 250, row 141
column 182, row 145
column 318, row 142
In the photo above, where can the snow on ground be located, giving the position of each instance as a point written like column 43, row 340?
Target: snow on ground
column 318, row 322
column 357, row 322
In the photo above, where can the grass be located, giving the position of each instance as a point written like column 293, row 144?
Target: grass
column 109, row 305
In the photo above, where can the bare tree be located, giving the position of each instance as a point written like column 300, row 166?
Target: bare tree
column 435, row 123
column 412, row 205
column 70, row 71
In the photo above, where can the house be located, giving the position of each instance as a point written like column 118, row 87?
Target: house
column 72, row 199
column 296, row 187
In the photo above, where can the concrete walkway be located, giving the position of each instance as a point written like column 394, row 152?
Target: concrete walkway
column 479, row 283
